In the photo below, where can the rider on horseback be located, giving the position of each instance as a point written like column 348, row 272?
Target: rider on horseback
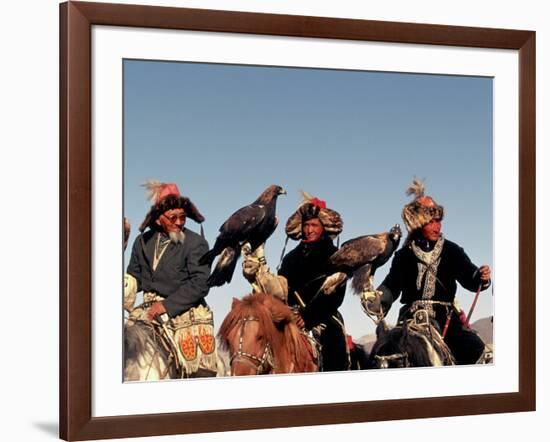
column 301, row 274
column 425, row 272
column 164, row 265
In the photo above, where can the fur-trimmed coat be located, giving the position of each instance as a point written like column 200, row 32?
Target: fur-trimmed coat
column 178, row 277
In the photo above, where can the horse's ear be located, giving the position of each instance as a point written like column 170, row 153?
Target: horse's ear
column 234, row 303
column 381, row 329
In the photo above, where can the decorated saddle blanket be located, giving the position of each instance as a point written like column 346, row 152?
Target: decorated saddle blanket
column 189, row 337
column 194, row 336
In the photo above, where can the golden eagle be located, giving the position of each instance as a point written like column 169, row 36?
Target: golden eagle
column 359, row 258
column 252, row 224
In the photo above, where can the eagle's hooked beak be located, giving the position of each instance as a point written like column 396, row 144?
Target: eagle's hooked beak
column 282, row 192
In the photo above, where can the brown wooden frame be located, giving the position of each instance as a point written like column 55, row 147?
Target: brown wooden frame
column 76, row 20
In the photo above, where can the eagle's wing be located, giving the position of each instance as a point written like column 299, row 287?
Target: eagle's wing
column 243, row 221
column 359, row 251
column 372, row 246
column 269, row 231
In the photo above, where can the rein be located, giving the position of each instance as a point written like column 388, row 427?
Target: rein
column 249, row 358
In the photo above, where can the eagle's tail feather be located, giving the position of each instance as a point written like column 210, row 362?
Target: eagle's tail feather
column 224, row 268
column 360, row 281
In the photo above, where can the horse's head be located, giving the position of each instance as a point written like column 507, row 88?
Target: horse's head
column 261, row 337
column 389, row 350
column 246, row 332
column 406, row 345
column 251, row 353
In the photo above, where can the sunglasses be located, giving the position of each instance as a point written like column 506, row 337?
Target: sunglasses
column 176, row 217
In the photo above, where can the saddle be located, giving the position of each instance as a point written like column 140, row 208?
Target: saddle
column 420, row 320
column 188, row 337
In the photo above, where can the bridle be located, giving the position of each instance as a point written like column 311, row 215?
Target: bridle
column 383, row 361
column 263, row 364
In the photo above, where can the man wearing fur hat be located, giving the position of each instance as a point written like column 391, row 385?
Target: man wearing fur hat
column 424, row 272
column 305, row 268
column 165, row 265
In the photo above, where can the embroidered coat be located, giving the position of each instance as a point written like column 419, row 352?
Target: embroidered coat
column 178, row 277
column 415, row 275
column 409, row 275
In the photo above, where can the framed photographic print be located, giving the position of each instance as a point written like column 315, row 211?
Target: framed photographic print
column 217, row 111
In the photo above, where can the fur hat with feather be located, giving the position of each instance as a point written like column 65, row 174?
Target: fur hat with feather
column 166, row 196
column 313, row 207
column 422, row 209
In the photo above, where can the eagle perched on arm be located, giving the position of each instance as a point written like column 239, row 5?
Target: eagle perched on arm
column 359, row 258
column 252, row 224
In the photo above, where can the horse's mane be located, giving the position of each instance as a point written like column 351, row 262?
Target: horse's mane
column 419, row 348
column 275, row 325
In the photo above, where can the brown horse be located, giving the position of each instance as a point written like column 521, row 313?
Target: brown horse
column 261, row 337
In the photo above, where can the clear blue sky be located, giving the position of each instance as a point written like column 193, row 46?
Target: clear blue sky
column 356, row 139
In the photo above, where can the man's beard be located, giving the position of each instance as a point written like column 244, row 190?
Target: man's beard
column 176, row 236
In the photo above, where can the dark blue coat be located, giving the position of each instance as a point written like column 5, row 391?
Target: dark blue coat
column 178, row 277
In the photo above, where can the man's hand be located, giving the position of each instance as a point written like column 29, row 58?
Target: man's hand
column 298, row 319
column 155, row 310
column 485, row 273
column 374, row 304
column 371, row 301
column 251, row 265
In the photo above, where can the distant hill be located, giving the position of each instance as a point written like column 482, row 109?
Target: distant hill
column 485, row 329
column 483, row 326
